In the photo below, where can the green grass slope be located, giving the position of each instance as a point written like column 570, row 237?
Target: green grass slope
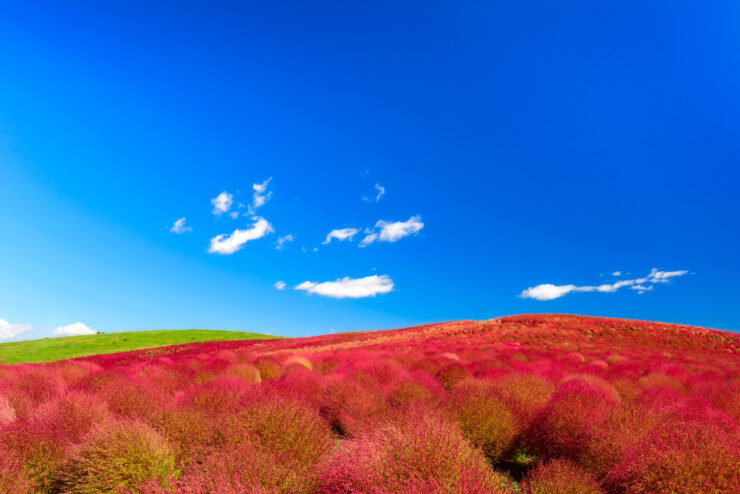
column 51, row 349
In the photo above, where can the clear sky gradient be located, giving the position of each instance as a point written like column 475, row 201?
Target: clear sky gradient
column 518, row 145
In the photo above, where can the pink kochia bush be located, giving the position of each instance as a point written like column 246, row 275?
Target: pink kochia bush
column 425, row 453
column 560, row 476
column 531, row 404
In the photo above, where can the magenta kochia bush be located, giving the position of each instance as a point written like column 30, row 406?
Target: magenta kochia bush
column 559, row 476
column 116, row 455
column 423, row 454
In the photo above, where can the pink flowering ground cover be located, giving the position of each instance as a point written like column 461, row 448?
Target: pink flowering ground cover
column 535, row 404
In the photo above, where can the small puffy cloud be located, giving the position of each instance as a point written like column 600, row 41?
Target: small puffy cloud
column 387, row 231
column 76, row 329
column 260, row 196
column 380, row 192
column 222, row 203
column 279, row 285
column 281, row 241
column 346, row 287
column 179, row 226
column 228, row 244
column 341, row 235
column 549, row 291
column 617, row 273
column 9, row 331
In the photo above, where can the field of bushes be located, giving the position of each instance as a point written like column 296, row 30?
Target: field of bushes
column 531, row 404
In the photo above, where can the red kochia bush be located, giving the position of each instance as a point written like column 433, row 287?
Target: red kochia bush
column 115, row 456
column 680, row 457
column 274, row 444
column 572, row 418
column 425, row 454
column 559, row 476
column 353, row 403
column 483, row 418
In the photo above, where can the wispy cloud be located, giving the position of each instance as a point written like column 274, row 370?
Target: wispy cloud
column 380, row 193
column 617, row 273
column 549, row 291
column 279, row 285
column 387, row 231
column 228, row 244
column 341, row 235
column 222, row 203
column 9, row 331
column 76, row 329
column 260, row 196
column 281, row 241
column 346, row 287
column 179, row 226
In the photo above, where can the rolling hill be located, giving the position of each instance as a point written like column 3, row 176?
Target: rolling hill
column 51, row 349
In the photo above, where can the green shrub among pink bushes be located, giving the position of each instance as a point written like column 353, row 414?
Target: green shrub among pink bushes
column 115, row 455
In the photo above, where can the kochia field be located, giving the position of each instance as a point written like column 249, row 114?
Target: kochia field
column 533, row 404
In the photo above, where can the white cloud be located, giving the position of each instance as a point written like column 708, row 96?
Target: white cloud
column 346, row 287
column 76, row 329
column 228, row 244
column 260, row 196
column 386, row 231
column 9, row 331
column 656, row 276
column 179, row 226
column 281, row 241
column 341, row 235
column 617, row 273
column 222, row 203
column 549, row 291
column 380, row 193
column 279, row 285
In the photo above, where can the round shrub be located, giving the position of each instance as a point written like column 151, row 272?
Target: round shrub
column 559, row 476
column 245, row 372
column 680, row 457
column 269, row 368
column 39, row 383
column 274, row 443
column 232, row 469
column 425, row 454
column 13, row 477
column 571, row 419
column 523, row 394
column 452, row 374
column 419, row 387
column 352, row 404
column 483, row 418
column 117, row 455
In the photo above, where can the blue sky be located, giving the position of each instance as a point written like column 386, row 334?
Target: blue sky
column 526, row 152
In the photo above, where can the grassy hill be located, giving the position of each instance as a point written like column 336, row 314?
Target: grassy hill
column 51, row 349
